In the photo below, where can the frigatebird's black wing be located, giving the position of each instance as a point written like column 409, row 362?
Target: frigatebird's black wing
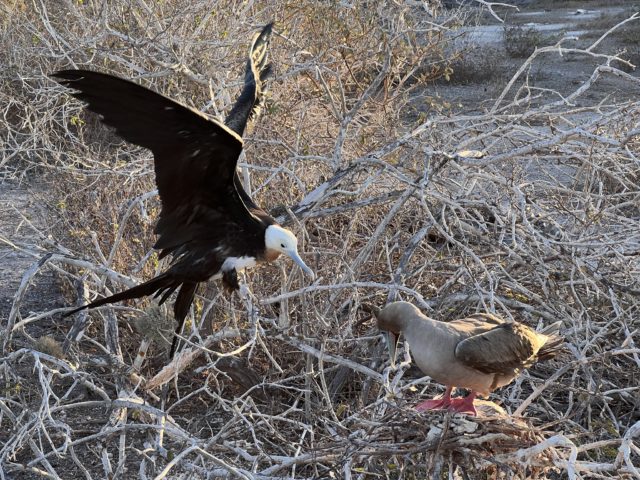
column 195, row 157
column 248, row 104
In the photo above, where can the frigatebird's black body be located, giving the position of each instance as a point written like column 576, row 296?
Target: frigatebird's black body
column 208, row 222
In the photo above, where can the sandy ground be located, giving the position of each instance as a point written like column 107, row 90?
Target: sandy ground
column 23, row 219
column 485, row 46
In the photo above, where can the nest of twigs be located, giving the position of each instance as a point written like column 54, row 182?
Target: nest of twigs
column 431, row 444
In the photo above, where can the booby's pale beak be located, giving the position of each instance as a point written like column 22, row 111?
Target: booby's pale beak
column 392, row 343
column 296, row 258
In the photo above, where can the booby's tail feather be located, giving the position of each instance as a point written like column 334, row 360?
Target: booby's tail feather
column 553, row 346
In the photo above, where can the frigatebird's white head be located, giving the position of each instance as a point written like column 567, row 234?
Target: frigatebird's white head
column 282, row 240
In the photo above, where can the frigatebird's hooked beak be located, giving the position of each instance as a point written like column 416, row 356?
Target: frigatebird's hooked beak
column 392, row 344
column 293, row 254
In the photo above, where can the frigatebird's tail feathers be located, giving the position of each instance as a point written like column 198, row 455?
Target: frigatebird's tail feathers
column 159, row 283
column 163, row 285
column 248, row 104
column 166, row 292
column 184, row 300
column 181, row 308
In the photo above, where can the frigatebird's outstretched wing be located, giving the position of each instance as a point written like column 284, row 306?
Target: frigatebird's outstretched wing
column 195, row 157
column 248, row 104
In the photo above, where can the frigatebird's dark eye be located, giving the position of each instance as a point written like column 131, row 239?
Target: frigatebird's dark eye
column 282, row 245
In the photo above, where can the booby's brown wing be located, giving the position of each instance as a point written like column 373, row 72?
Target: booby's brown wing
column 476, row 323
column 195, row 157
column 502, row 349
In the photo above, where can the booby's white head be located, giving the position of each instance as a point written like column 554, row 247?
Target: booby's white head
column 283, row 241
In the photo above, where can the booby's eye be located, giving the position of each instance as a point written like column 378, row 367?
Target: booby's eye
column 282, row 245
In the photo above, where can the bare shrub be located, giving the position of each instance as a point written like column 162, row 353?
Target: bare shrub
column 520, row 40
column 290, row 380
column 477, row 65
column 628, row 35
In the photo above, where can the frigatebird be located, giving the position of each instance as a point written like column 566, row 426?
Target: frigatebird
column 208, row 222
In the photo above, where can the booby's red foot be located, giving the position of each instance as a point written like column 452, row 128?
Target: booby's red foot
column 439, row 403
column 433, row 404
column 464, row 405
column 458, row 405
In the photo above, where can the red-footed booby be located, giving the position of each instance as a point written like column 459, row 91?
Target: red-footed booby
column 481, row 352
